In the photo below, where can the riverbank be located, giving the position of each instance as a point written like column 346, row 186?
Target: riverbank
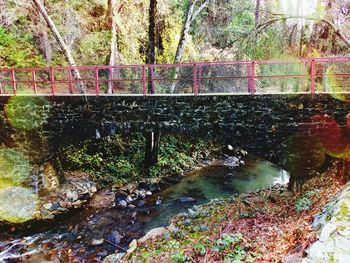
column 107, row 226
column 126, row 206
column 267, row 226
column 118, row 202
column 109, row 163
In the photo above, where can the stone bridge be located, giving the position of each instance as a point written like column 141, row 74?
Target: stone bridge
column 277, row 127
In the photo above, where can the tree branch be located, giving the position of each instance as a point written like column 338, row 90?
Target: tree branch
column 336, row 29
column 202, row 6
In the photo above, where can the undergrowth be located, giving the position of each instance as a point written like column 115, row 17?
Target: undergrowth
column 257, row 227
column 120, row 159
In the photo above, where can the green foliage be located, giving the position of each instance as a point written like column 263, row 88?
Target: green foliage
column 227, row 242
column 17, row 51
column 108, row 160
column 224, row 30
column 119, row 159
column 246, row 214
column 176, row 156
column 179, row 257
column 199, row 248
column 93, row 48
column 283, row 84
column 304, row 202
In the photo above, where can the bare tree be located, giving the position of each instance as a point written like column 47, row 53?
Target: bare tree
column 111, row 17
column 257, row 12
column 112, row 23
column 151, row 51
column 45, row 46
column 2, row 12
column 191, row 15
column 153, row 136
column 42, row 35
column 66, row 50
column 335, row 28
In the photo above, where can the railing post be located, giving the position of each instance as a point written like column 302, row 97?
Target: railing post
column 194, row 79
column 144, row 84
column 97, row 87
column 52, row 81
column 199, row 78
column 35, row 88
column 152, row 79
column 13, row 81
column 1, row 90
column 252, row 78
column 111, row 84
column 313, row 76
column 70, row 81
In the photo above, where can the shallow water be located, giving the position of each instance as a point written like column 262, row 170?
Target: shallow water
column 216, row 181
column 72, row 238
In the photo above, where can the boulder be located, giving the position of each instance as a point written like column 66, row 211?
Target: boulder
column 103, row 199
column 15, row 168
column 152, row 234
column 114, row 258
column 334, row 228
column 18, row 204
column 185, row 200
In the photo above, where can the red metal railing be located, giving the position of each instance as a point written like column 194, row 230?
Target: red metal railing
column 315, row 75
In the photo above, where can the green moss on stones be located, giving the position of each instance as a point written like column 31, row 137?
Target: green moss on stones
column 27, row 113
column 344, row 212
column 15, row 168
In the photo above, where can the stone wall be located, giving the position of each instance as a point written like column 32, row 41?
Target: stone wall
column 263, row 124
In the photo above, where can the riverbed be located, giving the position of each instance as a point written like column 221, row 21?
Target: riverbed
column 91, row 234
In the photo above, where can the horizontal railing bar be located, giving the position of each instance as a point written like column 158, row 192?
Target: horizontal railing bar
column 200, row 63
column 177, row 79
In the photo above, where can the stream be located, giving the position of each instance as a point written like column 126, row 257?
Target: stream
column 91, row 234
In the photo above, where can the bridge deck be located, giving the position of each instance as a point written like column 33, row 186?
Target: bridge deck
column 319, row 75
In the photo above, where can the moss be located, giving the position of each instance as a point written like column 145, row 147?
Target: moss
column 344, row 212
column 15, row 168
column 27, row 113
column 14, row 219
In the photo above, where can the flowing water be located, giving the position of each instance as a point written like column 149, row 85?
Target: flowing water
column 77, row 237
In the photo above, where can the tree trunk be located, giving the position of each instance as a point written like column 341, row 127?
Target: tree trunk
column 191, row 15
column 257, row 13
column 293, row 36
column 152, row 146
column 186, row 27
column 42, row 35
column 45, row 46
column 66, row 51
column 112, row 23
column 3, row 15
column 152, row 138
column 151, row 51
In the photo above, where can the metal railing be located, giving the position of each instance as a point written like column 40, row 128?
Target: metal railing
column 319, row 75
